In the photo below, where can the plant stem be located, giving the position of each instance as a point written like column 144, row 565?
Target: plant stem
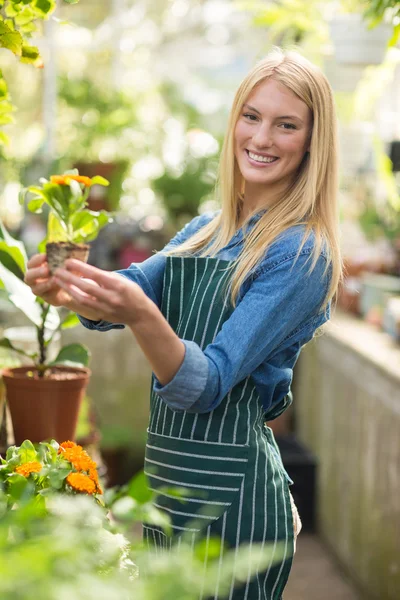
column 42, row 346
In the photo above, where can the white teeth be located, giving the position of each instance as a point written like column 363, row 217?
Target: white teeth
column 263, row 159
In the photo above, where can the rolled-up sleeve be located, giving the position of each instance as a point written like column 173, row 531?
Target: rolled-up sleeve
column 279, row 302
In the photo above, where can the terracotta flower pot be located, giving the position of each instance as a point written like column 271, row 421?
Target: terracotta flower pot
column 58, row 252
column 48, row 408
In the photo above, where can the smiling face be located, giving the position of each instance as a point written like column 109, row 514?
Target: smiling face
column 271, row 138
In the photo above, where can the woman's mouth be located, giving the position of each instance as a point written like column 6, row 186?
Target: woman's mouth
column 259, row 160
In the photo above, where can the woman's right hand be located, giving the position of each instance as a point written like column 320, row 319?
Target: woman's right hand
column 42, row 284
column 40, row 281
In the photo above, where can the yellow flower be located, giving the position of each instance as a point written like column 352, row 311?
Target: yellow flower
column 27, row 468
column 81, row 483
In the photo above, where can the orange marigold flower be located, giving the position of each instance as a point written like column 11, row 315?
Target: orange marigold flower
column 78, row 458
column 94, row 476
column 81, row 483
column 65, row 179
column 67, row 444
column 27, row 468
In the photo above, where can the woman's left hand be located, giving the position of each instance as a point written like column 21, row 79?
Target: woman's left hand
column 113, row 297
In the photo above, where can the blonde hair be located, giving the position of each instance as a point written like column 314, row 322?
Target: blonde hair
column 310, row 200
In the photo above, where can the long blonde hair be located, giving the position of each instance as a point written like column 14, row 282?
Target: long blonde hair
column 311, row 199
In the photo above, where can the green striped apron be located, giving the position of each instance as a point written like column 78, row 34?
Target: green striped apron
column 227, row 459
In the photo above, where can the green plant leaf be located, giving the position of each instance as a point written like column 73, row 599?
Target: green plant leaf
column 4, row 139
column 17, row 486
column 70, row 321
column 57, row 476
column 71, row 1
column 98, row 180
column 21, row 295
column 30, row 54
column 139, row 490
column 46, row 6
column 35, row 205
column 92, row 223
column 5, row 343
column 27, row 452
column 395, row 36
column 5, row 107
column 14, row 250
column 73, row 354
column 6, row 119
column 56, row 229
column 12, row 40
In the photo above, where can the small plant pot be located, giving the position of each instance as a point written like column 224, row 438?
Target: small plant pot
column 58, row 252
column 45, row 408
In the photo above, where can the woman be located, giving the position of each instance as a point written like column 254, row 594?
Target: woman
column 222, row 314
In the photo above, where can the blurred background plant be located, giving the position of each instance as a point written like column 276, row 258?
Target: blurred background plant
column 72, row 547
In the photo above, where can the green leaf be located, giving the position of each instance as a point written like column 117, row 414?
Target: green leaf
column 30, row 54
column 98, row 180
column 45, row 6
column 12, row 40
column 94, row 222
column 395, row 37
column 35, row 205
column 17, row 486
column 56, row 230
column 70, row 321
column 5, row 343
column 73, row 354
column 21, row 295
column 57, row 477
column 139, row 490
column 6, row 119
column 71, row 1
column 5, row 107
column 23, row 298
column 27, row 452
column 52, row 320
column 4, row 139
column 15, row 250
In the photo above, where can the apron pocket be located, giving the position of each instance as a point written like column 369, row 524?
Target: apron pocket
column 195, row 481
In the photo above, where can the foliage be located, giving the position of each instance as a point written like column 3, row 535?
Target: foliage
column 44, row 317
column 36, row 473
column 70, row 551
column 19, row 20
column 377, row 10
column 66, row 196
column 290, row 21
column 381, row 217
column 75, row 549
column 97, row 112
column 182, row 193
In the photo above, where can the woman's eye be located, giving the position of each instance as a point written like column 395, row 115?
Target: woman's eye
column 251, row 117
column 289, row 125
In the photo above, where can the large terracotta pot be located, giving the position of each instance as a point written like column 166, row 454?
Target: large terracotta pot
column 44, row 409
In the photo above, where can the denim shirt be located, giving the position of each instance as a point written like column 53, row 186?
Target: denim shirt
column 278, row 311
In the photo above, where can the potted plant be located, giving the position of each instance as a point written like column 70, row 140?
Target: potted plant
column 44, row 398
column 70, row 223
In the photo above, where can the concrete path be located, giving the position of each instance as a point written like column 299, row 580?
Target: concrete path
column 315, row 575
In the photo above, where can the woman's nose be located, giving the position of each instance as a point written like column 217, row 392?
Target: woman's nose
column 263, row 137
